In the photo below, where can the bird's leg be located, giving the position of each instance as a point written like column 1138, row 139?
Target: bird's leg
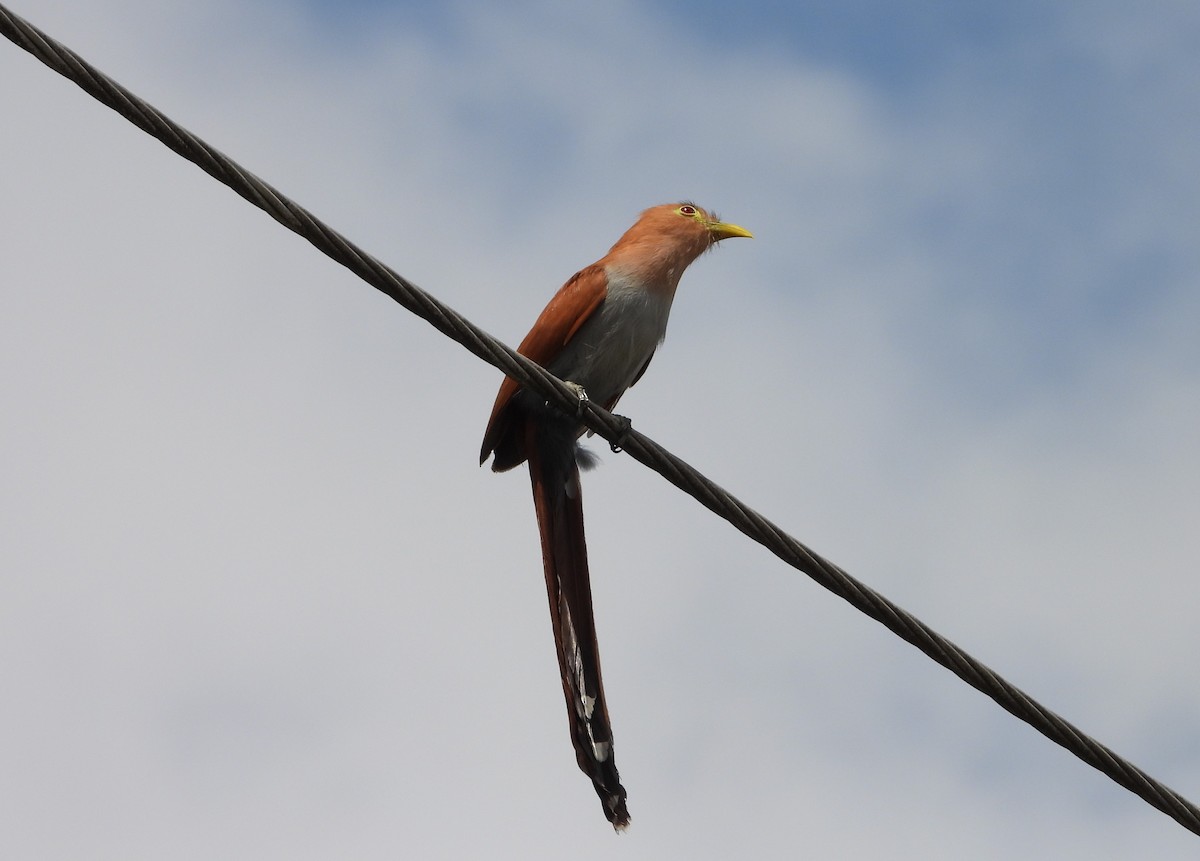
column 579, row 393
column 618, row 444
column 626, row 424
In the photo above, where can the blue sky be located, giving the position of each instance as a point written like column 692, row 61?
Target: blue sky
column 260, row 601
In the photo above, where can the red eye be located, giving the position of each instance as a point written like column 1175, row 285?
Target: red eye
column 687, row 209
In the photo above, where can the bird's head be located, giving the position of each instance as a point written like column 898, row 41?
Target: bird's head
column 669, row 237
column 699, row 222
column 685, row 223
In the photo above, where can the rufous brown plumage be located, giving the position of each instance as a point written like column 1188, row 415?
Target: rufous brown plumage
column 599, row 332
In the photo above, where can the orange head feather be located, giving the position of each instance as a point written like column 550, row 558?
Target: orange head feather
column 665, row 240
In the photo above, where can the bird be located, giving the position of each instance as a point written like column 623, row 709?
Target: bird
column 598, row 334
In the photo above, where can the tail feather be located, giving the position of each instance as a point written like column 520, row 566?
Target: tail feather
column 554, row 474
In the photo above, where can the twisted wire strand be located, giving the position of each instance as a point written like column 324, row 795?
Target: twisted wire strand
column 617, row 431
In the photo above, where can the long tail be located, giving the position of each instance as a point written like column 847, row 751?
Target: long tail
column 554, row 473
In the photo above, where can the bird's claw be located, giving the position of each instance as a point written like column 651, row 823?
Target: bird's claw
column 618, row 444
column 579, row 393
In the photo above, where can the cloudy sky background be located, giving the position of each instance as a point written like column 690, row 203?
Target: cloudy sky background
column 258, row 601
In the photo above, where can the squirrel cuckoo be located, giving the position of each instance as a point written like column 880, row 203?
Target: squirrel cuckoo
column 598, row 333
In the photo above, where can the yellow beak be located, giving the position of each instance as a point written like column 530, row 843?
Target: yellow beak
column 720, row 230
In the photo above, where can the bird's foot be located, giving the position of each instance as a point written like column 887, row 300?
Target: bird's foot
column 581, row 394
column 626, row 426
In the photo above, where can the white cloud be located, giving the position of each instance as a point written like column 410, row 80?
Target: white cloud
column 260, row 602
